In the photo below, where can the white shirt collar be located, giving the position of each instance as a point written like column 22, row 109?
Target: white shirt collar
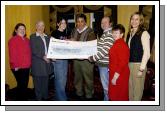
column 37, row 34
column 80, row 31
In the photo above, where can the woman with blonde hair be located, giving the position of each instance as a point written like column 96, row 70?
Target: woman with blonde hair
column 138, row 40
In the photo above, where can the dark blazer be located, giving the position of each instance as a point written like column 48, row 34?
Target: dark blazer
column 39, row 66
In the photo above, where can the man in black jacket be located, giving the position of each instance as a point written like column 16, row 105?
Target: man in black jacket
column 41, row 66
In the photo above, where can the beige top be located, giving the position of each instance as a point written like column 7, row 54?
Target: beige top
column 145, row 40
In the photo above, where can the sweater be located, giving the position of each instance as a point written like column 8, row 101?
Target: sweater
column 103, row 45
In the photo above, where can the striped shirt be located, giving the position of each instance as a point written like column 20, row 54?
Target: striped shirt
column 103, row 45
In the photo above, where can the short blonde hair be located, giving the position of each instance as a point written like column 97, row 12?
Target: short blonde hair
column 40, row 21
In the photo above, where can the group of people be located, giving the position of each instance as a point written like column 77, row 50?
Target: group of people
column 122, row 65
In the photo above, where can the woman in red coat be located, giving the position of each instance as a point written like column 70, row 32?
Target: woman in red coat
column 118, row 66
column 20, row 59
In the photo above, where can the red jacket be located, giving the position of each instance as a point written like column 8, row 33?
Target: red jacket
column 19, row 52
column 118, row 62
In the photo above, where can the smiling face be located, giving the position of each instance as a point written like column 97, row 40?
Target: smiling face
column 105, row 23
column 81, row 23
column 135, row 21
column 117, row 34
column 21, row 31
column 40, row 27
column 62, row 24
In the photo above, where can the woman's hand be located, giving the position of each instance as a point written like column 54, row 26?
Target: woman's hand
column 139, row 73
column 115, row 77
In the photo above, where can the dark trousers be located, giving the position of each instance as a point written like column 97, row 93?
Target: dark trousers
column 83, row 79
column 22, row 78
column 41, row 87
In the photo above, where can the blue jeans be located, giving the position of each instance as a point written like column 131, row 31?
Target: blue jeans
column 104, row 76
column 60, row 72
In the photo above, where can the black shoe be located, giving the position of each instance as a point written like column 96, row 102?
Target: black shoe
column 89, row 99
column 79, row 98
column 45, row 99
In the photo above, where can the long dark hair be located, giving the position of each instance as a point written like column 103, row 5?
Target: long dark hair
column 59, row 20
column 16, row 28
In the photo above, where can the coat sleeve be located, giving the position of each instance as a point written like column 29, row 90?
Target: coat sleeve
column 91, row 36
column 122, row 53
column 145, row 39
column 12, row 52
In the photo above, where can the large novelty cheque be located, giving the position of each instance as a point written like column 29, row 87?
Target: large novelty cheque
column 63, row 49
